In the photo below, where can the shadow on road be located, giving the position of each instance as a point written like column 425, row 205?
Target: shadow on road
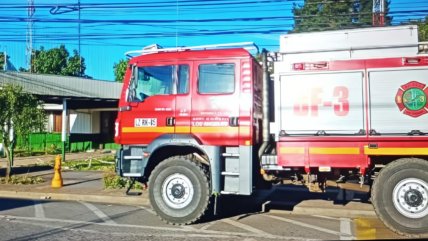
column 25, row 170
column 283, row 197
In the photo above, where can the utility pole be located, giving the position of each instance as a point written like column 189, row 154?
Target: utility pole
column 80, row 55
column 29, row 50
column 5, row 61
column 378, row 13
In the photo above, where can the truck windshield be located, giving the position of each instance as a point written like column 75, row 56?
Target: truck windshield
column 158, row 80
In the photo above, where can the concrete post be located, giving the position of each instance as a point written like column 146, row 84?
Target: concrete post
column 64, row 127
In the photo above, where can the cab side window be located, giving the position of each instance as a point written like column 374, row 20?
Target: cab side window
column 216, row 78
column 154, row 80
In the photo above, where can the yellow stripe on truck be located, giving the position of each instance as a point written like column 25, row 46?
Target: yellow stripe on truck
column 187, row 129
column 169, row 129
column 292, row 150
column 334, row 150
column 395, row 151
column 182, row 129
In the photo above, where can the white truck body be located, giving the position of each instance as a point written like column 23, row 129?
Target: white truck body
column 322, row 100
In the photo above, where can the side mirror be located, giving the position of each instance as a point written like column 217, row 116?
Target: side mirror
column 133, row 104
column 130, row 94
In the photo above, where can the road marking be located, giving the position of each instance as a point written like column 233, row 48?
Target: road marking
column 208, row 226
column 373, row 228
column 148, row 210
column 325, row 217
column 304, row 225
column 39, row 212
column 345, row 229
column 245, row 227
column 195, row 233
column 99, row 213
column 73, row 228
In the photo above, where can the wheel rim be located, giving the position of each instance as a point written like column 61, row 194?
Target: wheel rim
column 177, row 191
column 410, row 197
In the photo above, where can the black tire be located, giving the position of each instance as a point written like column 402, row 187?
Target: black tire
column 179, row 190
column 399, row 196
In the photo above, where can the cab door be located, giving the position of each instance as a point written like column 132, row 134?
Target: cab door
column 152, row 99
column 215, row 102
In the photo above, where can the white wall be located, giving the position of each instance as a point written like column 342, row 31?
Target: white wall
column 79, row 121
column 96, row 122
column 84, row 122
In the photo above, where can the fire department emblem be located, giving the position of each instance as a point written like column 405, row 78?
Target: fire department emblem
column 411, row 99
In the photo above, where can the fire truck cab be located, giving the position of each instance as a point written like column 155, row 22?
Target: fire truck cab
column 190, row 107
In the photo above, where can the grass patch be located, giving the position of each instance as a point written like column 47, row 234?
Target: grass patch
column 23, row 180
column 52, row 150
column 25, row 153
column 94, row 164
column 112, row 181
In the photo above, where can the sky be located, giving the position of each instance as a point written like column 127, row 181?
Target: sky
column 109, row 28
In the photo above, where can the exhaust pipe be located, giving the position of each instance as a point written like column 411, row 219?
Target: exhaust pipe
column 265, row 105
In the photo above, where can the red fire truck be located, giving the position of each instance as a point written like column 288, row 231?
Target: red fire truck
column 201, row 121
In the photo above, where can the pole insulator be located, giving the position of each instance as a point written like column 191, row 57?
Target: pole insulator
column 57, row 179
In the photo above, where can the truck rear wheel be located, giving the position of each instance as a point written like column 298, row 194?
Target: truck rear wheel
column 400, row 196
column 179, row 190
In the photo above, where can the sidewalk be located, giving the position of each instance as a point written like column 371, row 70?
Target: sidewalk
column 45, row 159
column 77, row 185
column 88, row 186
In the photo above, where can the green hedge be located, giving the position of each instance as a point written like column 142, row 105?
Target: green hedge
column 51, row 143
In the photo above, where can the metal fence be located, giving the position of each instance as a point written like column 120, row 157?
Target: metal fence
column 51, row 143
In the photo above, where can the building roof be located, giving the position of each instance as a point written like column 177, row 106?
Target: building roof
column 53, row 89
column 63, row 86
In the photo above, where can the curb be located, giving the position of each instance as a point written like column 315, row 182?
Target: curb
column 125, row 200
column 310, row 208
column 333, row 212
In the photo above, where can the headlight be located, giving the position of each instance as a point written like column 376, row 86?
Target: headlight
column 116, row 129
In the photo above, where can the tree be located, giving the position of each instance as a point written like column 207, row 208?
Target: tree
column 20, row 115
column 120, row 69
column 75, row 66
column 321, row 15
column 3, row 61
column 57, row 61
column 423, row 29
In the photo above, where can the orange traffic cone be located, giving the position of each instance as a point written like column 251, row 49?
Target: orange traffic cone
column 57, row 179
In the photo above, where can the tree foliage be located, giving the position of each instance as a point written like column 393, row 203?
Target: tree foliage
column 321, row 15
column 20, row 115
column 57, row 61
column 423, row 29
column 2, row 60
column 120, row 69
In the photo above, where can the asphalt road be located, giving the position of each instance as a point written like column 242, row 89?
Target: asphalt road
column 58, row 220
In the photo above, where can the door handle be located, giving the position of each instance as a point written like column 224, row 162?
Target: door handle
column 233, row 121
column 170, row 121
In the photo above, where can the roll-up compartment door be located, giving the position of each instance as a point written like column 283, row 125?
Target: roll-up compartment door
column 322, row 104
column 398, row 101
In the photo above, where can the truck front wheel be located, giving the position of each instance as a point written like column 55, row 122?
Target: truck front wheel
column 400, row 196
column 179, row 190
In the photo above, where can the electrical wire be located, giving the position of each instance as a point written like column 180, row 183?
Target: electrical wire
column 130, row 23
